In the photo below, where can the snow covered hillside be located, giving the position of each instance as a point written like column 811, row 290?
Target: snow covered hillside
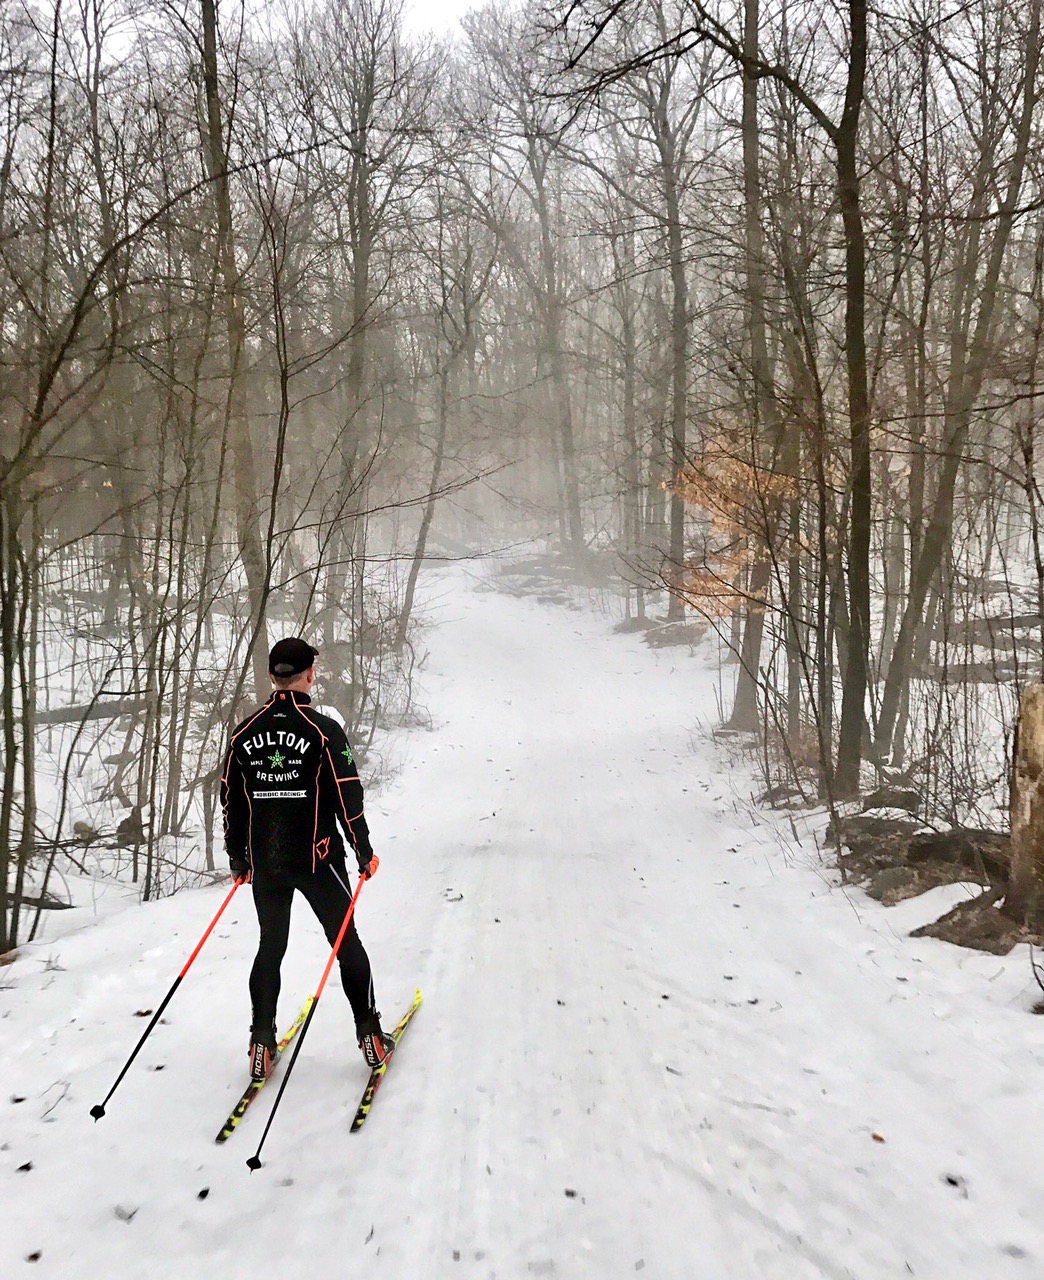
column 657, row 1038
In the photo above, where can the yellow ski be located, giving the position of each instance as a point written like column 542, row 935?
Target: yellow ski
column 255, row 1086
column 377, row 1074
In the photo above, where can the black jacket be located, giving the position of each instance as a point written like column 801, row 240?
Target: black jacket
column 289, row 778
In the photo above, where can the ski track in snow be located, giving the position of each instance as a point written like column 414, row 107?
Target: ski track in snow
column 657, row 1039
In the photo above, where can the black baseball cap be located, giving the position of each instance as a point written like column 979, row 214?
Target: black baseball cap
column 290, row 657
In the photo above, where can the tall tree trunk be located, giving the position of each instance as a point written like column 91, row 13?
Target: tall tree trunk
column 679, row 348
column 560, row 381
column 10, row 708
column 633, row 532
column 970, row 355
column 853, row 693
column 766, row 418
column 1024, row 900
column 244, row 480
column 428, row 515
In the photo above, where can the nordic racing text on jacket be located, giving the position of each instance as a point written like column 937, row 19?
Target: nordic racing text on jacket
column 289, row 777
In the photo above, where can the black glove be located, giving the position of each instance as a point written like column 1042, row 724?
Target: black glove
column 368, row 862
column 240, row 869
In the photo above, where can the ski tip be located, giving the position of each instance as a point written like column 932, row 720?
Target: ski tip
column 97, row 1111
column 253, row 1163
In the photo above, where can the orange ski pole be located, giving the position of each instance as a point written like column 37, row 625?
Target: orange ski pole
column 255, row 1160
column 99, row 1110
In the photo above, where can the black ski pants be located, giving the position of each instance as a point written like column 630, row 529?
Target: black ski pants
column 328, row 894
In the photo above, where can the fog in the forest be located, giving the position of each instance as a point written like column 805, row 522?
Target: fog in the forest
column 731, row 313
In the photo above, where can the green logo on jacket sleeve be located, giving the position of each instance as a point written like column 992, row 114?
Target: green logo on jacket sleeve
column 347, row 753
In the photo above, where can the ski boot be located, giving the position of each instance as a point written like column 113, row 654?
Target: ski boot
column 376, row 1045
column 262, row 1051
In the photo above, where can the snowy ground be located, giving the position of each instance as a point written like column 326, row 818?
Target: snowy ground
column 657, row 1039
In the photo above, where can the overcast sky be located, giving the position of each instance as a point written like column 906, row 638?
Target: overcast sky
column 436, row 15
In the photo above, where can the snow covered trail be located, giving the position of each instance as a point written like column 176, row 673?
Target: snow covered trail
column 656, row 1039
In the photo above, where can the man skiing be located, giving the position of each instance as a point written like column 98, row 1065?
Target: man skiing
column 289, row 780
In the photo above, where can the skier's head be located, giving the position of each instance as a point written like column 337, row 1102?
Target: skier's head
column 291, row 663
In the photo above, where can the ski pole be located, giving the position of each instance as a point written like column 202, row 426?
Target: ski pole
column 99, row 1110
column 255, row 1160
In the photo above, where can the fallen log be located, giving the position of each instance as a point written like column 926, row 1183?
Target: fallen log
column 90, row 711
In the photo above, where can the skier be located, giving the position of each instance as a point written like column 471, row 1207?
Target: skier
column 289, row 779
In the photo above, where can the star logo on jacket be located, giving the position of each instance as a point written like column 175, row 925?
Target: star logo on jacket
column 277, row 759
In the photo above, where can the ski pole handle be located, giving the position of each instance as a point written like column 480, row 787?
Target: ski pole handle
column 98, row 1110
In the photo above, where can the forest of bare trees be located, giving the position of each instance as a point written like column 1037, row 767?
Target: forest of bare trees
column 745, row 301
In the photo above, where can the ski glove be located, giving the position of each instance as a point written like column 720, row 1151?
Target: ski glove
column 240, row 869
column 368, row 863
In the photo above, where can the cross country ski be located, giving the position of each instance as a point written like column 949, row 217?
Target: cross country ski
column 255, row 1086
column 377, row 1074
